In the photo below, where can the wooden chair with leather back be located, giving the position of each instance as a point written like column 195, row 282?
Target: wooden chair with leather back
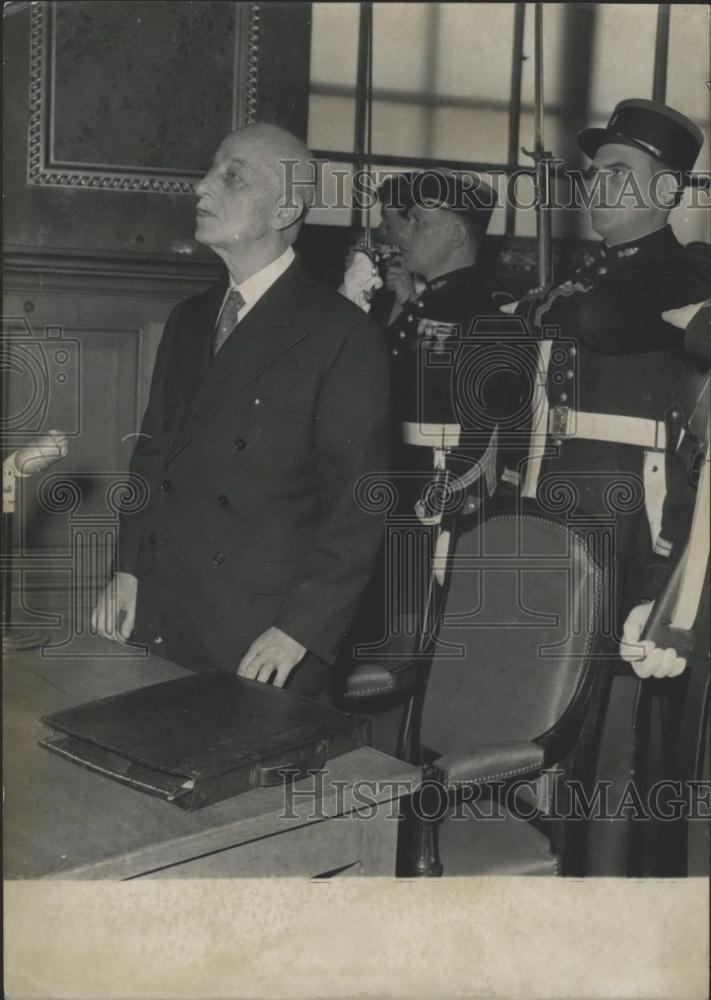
column 507, row 704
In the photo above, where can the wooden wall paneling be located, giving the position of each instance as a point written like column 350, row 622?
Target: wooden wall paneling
column 101, row 336
column 77, row 207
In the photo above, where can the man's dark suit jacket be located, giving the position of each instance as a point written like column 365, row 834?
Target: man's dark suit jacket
column 251, row 462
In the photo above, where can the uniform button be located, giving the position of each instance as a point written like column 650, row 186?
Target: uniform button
column 602, row 270
column 222, row 500
column 410, row 318
column 394, row 352
column 152, row 538
column 218, row 558
column 166, row 486
column 401, row 335
column 158, row 639
column 572, row 350
column 240, row 444
column 570, row 373
column 563, row 397
column 164, row 426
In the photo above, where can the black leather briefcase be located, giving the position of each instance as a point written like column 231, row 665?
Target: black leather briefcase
column 203, row 738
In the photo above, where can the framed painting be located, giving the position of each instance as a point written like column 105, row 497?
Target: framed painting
column 129, row 95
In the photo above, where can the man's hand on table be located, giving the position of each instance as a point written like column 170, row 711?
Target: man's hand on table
column 115, row 613
column 273, row 652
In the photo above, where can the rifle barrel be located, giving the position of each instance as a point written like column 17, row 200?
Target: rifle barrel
column 538, row 78
column 543, row 180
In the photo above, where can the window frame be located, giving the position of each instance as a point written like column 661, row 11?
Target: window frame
column 360, row 157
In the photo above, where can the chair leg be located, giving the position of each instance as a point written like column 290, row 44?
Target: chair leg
column 425, row 856
column 429, row 804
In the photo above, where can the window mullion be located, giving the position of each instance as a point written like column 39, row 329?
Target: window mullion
column 515, row 104
column 661, row 54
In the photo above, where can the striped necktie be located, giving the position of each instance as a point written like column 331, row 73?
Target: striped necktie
column 228, row 319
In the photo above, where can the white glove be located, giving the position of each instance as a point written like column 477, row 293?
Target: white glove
column 646, row 659
column 439, row 562
column 361, row 280
column 39, row 455
column 682, row 316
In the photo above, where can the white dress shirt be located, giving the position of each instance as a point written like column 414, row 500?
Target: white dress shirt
column 255, row 286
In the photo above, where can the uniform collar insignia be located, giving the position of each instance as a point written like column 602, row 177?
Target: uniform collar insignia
column 651, row 243
column 628, row 251
column 453, row 279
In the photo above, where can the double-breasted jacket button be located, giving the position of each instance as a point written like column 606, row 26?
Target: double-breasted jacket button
column 563, row 397
column 394, row 352
column 218, row 558
column 166, row 486
column 152, row 538
column 570, row 374
column 240, row 444
column 222, row 500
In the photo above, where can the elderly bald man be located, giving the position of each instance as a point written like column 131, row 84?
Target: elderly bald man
column 268, row 404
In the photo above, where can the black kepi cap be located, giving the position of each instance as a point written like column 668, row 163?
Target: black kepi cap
column 464, row 193
column 395, row 191
column 664, row 133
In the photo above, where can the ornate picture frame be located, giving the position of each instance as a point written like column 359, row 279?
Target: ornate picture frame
column 76, row 115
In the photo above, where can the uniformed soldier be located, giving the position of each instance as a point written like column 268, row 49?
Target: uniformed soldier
column 453, row 394
column 612, row 440
column 450, row 396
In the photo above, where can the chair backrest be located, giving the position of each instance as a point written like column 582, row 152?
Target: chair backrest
column 519, row 624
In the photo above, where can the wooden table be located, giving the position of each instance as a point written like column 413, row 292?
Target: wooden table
column 62, row 821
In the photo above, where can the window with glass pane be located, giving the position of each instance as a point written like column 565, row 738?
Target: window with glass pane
column 440, row 82
column 442, row 77
column 334, row 58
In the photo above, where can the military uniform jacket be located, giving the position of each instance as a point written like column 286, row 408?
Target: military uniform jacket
column 441, row 372
column 613, row 355
column 250, row 463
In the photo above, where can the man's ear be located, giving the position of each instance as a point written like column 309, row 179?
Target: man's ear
column 457, row 234
column 287, row 213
